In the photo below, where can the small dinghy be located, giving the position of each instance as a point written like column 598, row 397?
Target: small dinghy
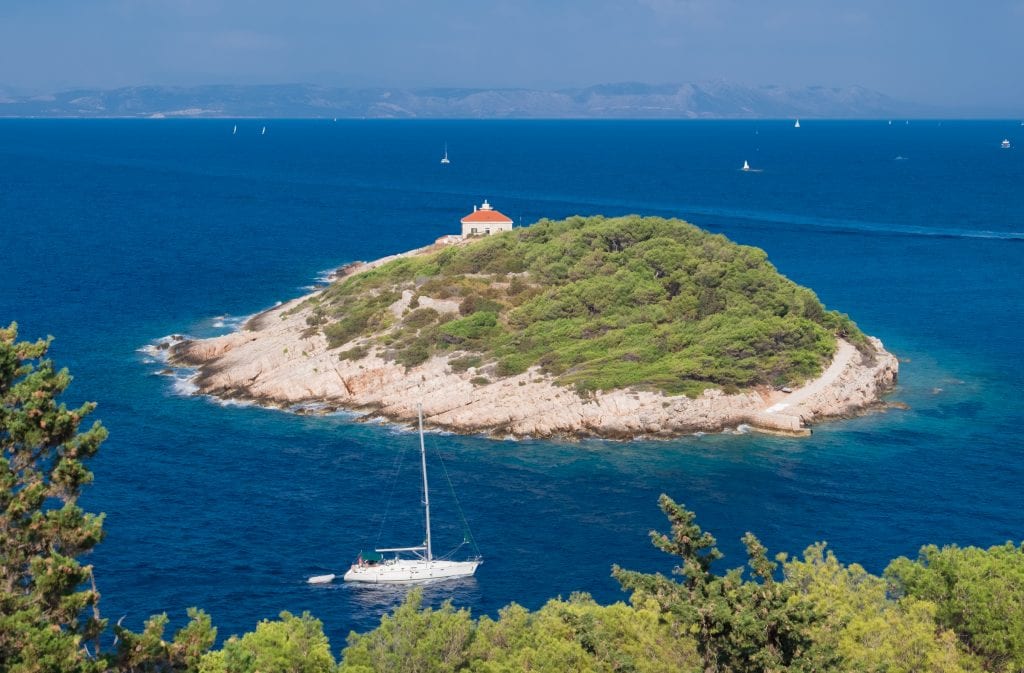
column 321, row 579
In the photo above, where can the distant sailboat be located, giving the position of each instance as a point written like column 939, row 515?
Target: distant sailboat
column 264, row 131
column 444, row 159
column 234, row 130
column 746, row 166
column 797, row 124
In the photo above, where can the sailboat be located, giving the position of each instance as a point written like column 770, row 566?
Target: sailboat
column 746, row 166
column 264, row 131
column 797, row 124
column 234, row 130
column 444, row 159
column 373, row 568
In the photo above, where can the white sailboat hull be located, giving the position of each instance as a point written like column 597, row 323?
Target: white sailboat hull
column 403, row 571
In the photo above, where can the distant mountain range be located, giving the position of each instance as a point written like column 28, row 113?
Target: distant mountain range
column 717, row 100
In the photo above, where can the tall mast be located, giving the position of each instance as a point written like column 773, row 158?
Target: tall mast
column 426, row 492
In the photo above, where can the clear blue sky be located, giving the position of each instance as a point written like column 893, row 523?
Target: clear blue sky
column 938, row 51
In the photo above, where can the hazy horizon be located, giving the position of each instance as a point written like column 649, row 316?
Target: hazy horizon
column 953, row 55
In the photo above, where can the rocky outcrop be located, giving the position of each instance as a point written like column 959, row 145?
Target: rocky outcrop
column 275, row 361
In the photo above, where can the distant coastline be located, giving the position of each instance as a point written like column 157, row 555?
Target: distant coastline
column 276, row 359
column 708, row 100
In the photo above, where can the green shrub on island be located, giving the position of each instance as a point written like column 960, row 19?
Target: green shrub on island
column 354, row 353
column 599, row 304
column 463, row 363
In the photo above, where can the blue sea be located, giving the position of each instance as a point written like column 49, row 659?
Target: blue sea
column 116, row 233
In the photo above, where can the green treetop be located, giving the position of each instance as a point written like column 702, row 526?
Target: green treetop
column 756, row 624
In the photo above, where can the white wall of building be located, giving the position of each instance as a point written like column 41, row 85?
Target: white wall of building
column 484, row 228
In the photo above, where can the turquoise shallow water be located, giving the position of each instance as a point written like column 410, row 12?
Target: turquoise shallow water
column 115, row 233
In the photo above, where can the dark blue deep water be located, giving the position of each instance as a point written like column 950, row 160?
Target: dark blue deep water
column 115, row 233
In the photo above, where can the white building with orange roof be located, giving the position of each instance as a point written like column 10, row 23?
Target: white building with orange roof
column 484, row 221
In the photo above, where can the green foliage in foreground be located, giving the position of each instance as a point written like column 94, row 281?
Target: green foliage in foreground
column 600, row 304
column 293, row 644
column 573, row 635
column 951, row 610
column 48, row 604
column 977, row 593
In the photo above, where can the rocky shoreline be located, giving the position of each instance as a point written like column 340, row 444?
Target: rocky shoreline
column 273, row 360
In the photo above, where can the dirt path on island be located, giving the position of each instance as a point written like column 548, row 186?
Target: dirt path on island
column 781, row 402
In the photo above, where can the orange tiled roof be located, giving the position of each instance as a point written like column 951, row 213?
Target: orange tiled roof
column 484, row 216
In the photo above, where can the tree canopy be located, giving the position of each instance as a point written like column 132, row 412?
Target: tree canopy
column 976, row 593
column 42, row 529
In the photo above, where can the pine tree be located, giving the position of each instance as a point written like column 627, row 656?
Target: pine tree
column 740, row 625
column 48, row 601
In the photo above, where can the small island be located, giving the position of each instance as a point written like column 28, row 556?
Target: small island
column 607, row 327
